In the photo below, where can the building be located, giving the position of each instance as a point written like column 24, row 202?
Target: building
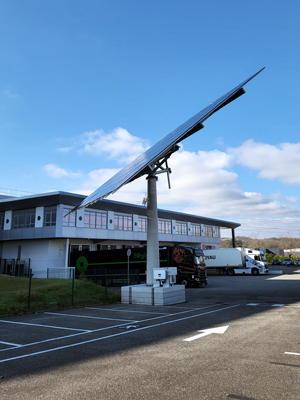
column 291, row 252
column 35, row 233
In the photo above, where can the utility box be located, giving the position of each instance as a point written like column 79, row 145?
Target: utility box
column 172, row 272
column 159, row 274
column 164, row 276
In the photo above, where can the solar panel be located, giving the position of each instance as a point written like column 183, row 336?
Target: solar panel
column 164, row 148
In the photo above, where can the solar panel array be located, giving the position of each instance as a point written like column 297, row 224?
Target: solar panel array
column 166, row 146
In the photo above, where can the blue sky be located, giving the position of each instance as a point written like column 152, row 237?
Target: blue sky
column 86, row 86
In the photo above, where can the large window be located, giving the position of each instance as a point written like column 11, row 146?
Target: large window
column 208, row 231
column 123, row 222
column 181, row 228
column 96, row 220
column 142, row 224
column 70, row 220
column 164, row 226
column 1, row 221
column 23, row 219
column 196, row 230
column 50, row 216
column 217, row 231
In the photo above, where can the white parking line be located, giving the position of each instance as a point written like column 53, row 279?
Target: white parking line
column 127, row 311
column 43, row 326
column 108, row 327
column 86, row 316
column 11, row 344
column 294, row 354
column 273, row 305
column 68, row 336
column 117, row 334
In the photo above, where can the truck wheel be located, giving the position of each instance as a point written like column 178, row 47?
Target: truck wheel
column 230, row 271
column 185, row 281
column 255, row 271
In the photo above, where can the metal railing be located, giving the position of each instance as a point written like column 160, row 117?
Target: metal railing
column 13, row 267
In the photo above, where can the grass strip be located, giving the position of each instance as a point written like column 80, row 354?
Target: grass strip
column 50, row 295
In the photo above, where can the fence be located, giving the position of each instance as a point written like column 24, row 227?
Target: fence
column 14, row 267
column 110, row 277
column 103, row 277
column 54, row 273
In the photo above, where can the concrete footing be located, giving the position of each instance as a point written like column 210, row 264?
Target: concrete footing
column 155, row 296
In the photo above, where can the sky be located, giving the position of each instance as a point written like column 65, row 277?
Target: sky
column 88, row 85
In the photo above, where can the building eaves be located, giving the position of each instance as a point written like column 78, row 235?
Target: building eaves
column 73, row 199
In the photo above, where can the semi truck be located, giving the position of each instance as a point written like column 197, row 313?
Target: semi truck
column 239, row 260
column 111, row 266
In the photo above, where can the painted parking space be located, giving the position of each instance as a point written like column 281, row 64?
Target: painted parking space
column 98, row 322
column 134, row 342
column 26, row 337
column 232, row 326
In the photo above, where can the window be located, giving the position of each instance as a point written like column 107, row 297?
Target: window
column 96, row 220
column 217, row 231
column 196, row 230
column 50, row 216
column 1, row 221
column 23, row 219
column 123, row 222
column 142, row 223
column 70, row 219
column 208, row 231
column 181, row 228
column 164, row 226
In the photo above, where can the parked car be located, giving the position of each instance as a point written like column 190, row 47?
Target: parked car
column 297, row 262
column 287, row 261
column 276, row 261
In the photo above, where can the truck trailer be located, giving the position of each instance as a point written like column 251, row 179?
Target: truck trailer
column 239, row 260
column 108, row 267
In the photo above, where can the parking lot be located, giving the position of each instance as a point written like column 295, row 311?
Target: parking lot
column 236, row 338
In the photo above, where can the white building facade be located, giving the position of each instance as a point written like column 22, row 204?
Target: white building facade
column 34, row 232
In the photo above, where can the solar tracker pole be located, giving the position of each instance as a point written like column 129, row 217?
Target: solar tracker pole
column 152, row 230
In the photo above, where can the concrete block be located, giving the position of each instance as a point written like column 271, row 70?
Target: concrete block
column 147, row 295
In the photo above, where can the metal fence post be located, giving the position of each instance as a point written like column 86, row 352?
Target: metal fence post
column 128, row 255
column 73, row 282
column 105, row 285
column 29, row 292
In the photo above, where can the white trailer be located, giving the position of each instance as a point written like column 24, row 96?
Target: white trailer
column 237, row 260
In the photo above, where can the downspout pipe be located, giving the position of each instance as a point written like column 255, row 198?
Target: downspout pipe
column 67, row 253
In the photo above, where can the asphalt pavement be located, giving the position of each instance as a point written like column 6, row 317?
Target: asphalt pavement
column 236, row 338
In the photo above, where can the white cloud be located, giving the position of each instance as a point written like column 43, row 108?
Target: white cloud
column 118, row 144
column 54, row 171
column 9, row 94
column 65, row 149
column 280, row 162
column 203, row 183
column 95, row 179
column 260, row 228
column 292, row 199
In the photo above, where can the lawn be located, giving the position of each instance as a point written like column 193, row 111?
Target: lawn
column 50, row 294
